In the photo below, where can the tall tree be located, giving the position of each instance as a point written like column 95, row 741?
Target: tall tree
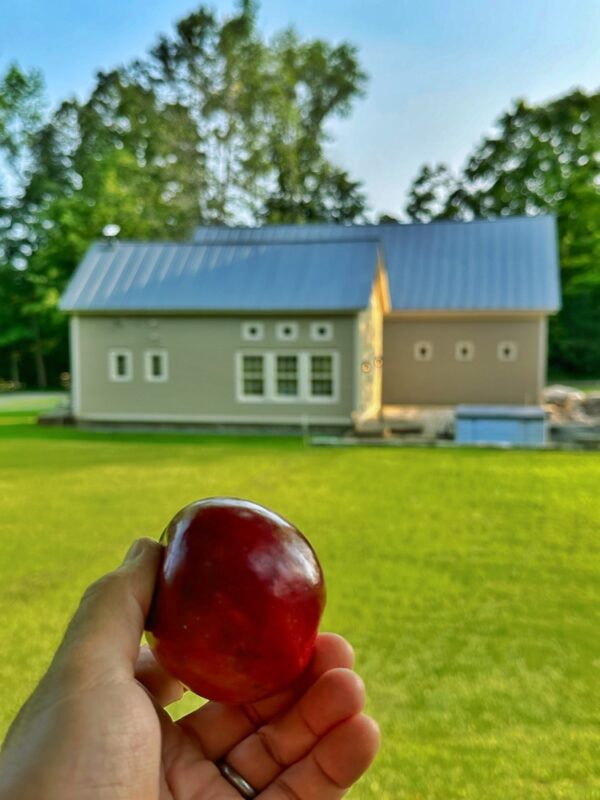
column 214, row 124
column 540, row 159
column 261, row 110
column 21, row 114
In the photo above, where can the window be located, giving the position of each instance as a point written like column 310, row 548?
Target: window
column 321, row 331
column 253, row 331
column 120, row 366
column 507, row 351
column 423, row 351
column 286, row 376
column 273, row 377
column 286, row 331
column 156, row 366
column 253, row 376
column 321, row 376
column 464, row 351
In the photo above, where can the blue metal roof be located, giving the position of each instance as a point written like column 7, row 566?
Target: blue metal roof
column 131, row 276
column 509, row 263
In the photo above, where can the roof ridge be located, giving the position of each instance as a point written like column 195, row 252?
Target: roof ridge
column 378, row 225
column 246, row 243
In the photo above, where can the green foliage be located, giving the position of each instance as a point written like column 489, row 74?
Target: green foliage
column 262, row 109
column 466, row 580
column 540, row 159
column 213, row 124
column 20, row 116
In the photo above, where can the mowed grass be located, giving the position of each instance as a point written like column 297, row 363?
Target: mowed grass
column 467, row 580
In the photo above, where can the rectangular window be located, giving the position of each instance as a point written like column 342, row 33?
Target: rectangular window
column 321, row 376
column 274, row 377
column 253, row 376
column 286, row 376
column 156, row 366
column 120, row 366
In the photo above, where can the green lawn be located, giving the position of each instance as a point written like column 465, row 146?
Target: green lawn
column 467, row 580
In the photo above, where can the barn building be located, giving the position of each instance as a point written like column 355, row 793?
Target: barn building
column 317, row 325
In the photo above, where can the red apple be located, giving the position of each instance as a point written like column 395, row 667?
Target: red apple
column 238, row 601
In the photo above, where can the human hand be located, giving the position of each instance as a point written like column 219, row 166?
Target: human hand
column 96, row 729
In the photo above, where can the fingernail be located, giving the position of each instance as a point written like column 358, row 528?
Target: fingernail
column 134, row 551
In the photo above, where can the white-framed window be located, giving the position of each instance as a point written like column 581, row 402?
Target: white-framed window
column 322, row 376
column 297, row 376
column 464, row 351
column 423, row 351
column 508, row 351
column 251, row 376
column 156, row 366
column 120, row 365
column 287, row 376
column 321, row 331
column 253, row 331
column 286, row 331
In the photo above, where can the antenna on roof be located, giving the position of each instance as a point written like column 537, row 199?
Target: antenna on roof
column 110, row 232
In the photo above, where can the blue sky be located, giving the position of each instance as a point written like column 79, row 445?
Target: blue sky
column 440, row 71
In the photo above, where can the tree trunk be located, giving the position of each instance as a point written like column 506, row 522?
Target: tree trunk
column 38, row 356
column 14, row 368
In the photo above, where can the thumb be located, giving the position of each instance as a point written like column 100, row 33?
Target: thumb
column 106, row 630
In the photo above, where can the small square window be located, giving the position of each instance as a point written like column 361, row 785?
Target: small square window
column 321, row 331
column 120, row 366
column 423, row 351
column 507, row 351
column 253, row 331
column 286, row 331
column 464, row 351
column 156, row 366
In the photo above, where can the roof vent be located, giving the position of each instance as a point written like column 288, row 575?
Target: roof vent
column 110, row 232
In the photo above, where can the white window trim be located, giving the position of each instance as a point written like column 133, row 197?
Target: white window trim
column 113, row 374
column 280, row 334
column 247, row 336
column 335, row 374
column 418, row 346
column 239, row 377
column 458, row 347
column 270, row 377
column 316, row 336
column 510, row 344
column 287, row 398
column 148, row 374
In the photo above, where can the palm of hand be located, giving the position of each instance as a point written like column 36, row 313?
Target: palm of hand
column 304, row 743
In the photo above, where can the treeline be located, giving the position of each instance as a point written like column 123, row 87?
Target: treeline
column 215, row 124
column 539, row 159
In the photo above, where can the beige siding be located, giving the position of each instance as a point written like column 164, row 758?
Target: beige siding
column 202, row 354
column 444, row 380
column 370, row 349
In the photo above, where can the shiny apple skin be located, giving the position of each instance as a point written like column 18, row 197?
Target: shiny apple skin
column 238, row 601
